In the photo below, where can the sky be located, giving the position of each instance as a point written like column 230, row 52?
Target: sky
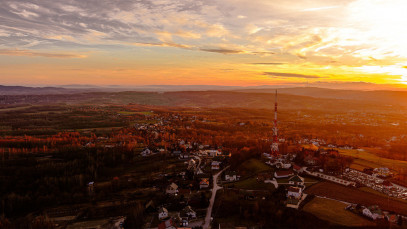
column 204, row 42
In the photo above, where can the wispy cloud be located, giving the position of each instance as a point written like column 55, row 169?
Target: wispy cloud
column 293, row 75
column 20, row 52
column 221, row 50
column 320, row 8
column 269, row 63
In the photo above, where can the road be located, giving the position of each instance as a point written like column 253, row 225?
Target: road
column 215, row 188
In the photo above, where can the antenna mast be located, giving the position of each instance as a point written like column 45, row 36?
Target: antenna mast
column 274, row 146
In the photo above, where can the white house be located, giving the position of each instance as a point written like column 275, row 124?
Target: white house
column 146, row 152
column 294, row 192
column 212, row 152
column 162, row 213
column 215, row 165
column 172, row 189
column 231, row 176
column 184, row 156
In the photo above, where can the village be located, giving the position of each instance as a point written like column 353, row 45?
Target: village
column 207, row 169
column 183, row 170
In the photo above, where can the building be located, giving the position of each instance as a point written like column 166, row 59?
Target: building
column 215, row 165
column 310, row 160
column 231, row 176
column 212, row 152
column 204, row 183
column 91, row 188
column 296, row 180
column 382, row 172
column 191, row 164
column 146, row 152
column 297, row 168
column 168, row 224
column 162, row 213
column 294, row 192
column 283, row 174
column 188, row 212
column 172, row 189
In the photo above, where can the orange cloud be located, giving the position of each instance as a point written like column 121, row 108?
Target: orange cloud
column 22, row 52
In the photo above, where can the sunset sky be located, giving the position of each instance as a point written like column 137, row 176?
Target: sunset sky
column 208, row 42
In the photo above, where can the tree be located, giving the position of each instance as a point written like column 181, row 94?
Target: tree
column 135, row 218
column 42, row 222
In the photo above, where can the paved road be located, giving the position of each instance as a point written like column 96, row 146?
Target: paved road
column 215, row 188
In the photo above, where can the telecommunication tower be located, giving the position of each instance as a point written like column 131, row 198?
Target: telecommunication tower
column 274, row 145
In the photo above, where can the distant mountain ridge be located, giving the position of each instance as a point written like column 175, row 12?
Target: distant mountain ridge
column 22, row 90
column 380, row 97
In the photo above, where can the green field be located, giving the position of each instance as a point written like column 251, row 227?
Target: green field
column 251, row 184
column 335, row 213
column 253, row 166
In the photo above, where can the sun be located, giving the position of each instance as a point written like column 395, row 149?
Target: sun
column 383, row 22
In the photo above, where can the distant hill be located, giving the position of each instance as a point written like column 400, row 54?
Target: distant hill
column 20, row 90
column 222, row 99
column 379, row 97
column 220, row 96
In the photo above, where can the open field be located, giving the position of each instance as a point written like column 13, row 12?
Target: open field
column 253, row 166
column 251, row 184
column 127, row 112
column 334, row 212
column 367, row 189
column 353, row 195
column 368, row 159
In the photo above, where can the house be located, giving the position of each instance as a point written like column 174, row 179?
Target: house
column 215, row 165
column 146, row 152
column 191, row 164
column 188, row 212
column 333, row 152
column 382, row 172
column 176, row 152
column 184, row 156
column 296, row 180
column 393, row 218
column 262, row 177
column 310, row 160
column 162, row 213
column 373, row 212
column 172, row 189
column 283, row 165
column 212, row 152
column 283, row 174
column 294, row 192
column 231, row 176
column 204, row 183
column 298, row 169
column 91, row 188
column 168, row 224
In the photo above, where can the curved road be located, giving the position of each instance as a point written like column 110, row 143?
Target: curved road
column 215, row 188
